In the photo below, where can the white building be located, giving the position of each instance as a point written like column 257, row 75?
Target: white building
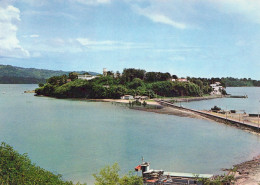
column 180, row 80
column 216, row 88
column 86, row 77
column 104, row 71
column 127, row 97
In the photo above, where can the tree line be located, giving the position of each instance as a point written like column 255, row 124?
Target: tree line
column 131, row 81
column 18, row 75
column 20, row 80
column 17, row 168
column 226, row 82
column 242, row 82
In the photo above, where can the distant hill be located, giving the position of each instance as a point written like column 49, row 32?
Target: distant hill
column 18, row 75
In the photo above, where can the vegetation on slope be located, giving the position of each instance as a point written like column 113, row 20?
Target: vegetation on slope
column 18, row 169
column 109, row 175
column 21, row 80
column 243, row 82
column 132, row 81
column 227, row 82
column 17, row 75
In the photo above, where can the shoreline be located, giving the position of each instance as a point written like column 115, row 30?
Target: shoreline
column 189, row 99
column 246, row 173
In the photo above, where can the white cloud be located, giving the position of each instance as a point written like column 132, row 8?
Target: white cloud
column 196, row 13
column 160, row 18
column 78, row 45
column 9, row 44
column 109, row 45
column 88, row 42
column 165, row 20
column 247, row 8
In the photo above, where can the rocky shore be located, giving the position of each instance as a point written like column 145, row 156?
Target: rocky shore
column 248, row 173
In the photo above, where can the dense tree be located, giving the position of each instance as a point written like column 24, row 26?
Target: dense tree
column 129, row 74
column 57, row 80
column 235, row 82
column 164, row 88
column 151, row 77
column 137, row 82
column 175, row 77
column 227, row 82
column 106, row 80
column 18, row 169
column 150, row 84
column 115, row 92
column 47, row 90
column 109, row 176
column 73, row 76
column 40, row 84
column 110, row 73
column 118, row 74
column 156, row 76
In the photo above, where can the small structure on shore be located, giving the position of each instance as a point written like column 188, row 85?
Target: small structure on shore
column 215, row 109
column 216, row 88
column 29, row 91
column 180, row 80
column 152, row 177
column 141, row 98
column 86, row 77
column 127, row 97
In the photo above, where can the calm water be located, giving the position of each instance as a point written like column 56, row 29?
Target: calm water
column 77, row 138
column 249, row 105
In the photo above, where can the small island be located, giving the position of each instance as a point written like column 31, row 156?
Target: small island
column 133, row 82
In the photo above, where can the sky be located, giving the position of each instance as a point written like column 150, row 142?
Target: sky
column 198, row 38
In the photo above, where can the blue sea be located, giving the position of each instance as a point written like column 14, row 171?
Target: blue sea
column 77, row 138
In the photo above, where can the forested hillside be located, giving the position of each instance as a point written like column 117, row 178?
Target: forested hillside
column 227, row 81
column 243, row 82
column 131, row 81
column 17, row 75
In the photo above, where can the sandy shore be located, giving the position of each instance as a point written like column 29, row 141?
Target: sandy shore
column 158, row 108
column 149, row 102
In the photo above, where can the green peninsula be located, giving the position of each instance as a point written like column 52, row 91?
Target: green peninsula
column 135, row 82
